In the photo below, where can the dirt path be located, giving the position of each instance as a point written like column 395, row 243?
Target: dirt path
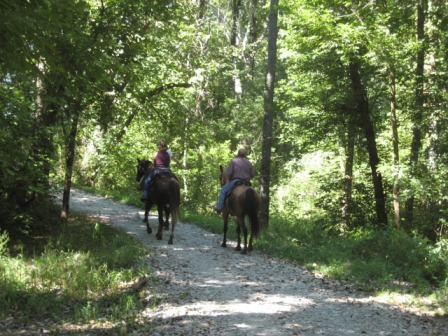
column 209, row 290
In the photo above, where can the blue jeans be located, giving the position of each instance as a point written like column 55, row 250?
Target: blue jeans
column 147, row 182
column 223, row 192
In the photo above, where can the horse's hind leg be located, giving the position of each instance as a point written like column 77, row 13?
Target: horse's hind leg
column 244, row 228
column 250, row 247
column 167, row 218
column 238, row 233
column 170, row 241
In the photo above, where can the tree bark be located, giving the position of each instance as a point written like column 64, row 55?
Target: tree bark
column 395, row 143
column 366, row 124
column 348, row 173
column 269, row 111
column 69, row 161
column 416, row 143
column 42, row 147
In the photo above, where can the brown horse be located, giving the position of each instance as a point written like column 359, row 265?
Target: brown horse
column 144, row 167
column 241, row 202
column 164, row 192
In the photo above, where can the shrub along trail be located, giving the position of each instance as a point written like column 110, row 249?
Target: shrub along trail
column 208, row 290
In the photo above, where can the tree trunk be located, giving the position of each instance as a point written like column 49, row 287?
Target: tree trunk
column 416, row 143
column 236, row 6
column 268, row 114
column 348, row 173
column 366, row 124
column 69, row 161
column 395, row 143
column 42, row 148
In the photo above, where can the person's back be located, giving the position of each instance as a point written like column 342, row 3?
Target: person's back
column 239, row 169
column 162, row 159
column 161, row 165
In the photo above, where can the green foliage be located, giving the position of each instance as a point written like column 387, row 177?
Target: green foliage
column 4, row 239
column 82, row 270
column 374, row 260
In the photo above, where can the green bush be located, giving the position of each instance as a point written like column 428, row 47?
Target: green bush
column 88, row 262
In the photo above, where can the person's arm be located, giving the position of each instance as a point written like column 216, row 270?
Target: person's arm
column 170, row 153
column 252, row 170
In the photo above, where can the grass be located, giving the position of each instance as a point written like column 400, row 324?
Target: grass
column 84, row 273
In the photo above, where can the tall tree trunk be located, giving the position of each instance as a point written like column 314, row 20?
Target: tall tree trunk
column 269, row 111
column 42, row 148
column 348, row 173
column 416, row 143
column 366, row 124
column 70, row 151
column 253, row 35
column 202, row 9
column 236, row 6
column 395, row 143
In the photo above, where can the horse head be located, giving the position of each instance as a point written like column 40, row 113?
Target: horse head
column 223, row 179
column 142, row 167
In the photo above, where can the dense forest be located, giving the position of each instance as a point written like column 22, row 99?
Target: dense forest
column 340, row 104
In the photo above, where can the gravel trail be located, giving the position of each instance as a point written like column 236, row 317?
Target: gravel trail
column 209, row 290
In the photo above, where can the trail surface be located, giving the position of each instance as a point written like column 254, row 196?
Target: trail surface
column 209, row 290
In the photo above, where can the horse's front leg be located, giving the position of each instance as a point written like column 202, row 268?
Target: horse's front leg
column 147, row 208
column 226, row 223
column 145, row 220
column 160, row 228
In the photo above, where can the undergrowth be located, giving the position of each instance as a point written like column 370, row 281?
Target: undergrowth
column 83, row 273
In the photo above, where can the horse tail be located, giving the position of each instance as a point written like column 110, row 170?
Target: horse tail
column 251, row 209
column 174, row 201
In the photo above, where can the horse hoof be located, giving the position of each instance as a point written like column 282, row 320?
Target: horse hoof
column 159, row 237
column 223, row 245
column 238, row 248
column 170, row 242
column 149, row 230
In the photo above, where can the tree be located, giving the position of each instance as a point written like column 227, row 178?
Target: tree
column 362, row 107
column 419, row 105
column 269, row 111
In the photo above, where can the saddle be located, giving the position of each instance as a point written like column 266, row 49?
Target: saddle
column 239, row 183
column 163, row 172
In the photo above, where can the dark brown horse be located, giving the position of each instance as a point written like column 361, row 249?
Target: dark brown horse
column 243, row 201
column 144, row 167
column 164, row 192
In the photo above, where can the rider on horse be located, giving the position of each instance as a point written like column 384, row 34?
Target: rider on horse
column 162, row 161
column 239, row 170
